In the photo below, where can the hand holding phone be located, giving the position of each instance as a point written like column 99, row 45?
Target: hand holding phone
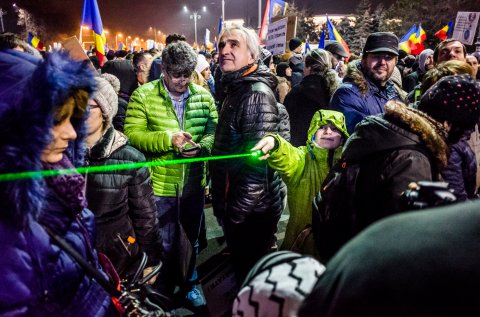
column 190, row 149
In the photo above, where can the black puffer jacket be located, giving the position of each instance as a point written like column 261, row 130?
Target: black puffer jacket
column 249, row 112
column 122, row 202
column 302, row 102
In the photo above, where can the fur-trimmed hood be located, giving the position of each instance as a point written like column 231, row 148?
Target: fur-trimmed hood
column 400, row 126
column 31, row 90
column 356, row 76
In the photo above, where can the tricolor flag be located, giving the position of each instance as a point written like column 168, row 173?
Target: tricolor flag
column 273, row 8
column 335, row 36
column 34, row 41
column 411, row 42
column 91, row 18
column 446, row 32
column 207, row 37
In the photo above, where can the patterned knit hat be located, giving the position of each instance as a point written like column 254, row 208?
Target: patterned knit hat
column 106, row 98
column 455, row 99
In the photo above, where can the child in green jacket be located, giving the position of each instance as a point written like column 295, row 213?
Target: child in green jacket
column 304, row 169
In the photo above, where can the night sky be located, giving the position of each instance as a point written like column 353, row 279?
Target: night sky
column 134, row 17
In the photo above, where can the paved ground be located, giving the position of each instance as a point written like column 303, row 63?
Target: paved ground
column 210, row 256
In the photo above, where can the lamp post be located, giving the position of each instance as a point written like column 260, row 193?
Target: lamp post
column 195, row 16
column 2, row 13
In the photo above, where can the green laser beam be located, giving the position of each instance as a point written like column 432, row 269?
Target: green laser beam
column 115, row 167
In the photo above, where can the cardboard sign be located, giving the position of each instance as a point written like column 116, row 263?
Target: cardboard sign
column 75, row 49
column 465, row 27
column 277, row 37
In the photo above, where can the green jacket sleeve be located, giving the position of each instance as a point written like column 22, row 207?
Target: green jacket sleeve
column 136, row 127
column 288, row 160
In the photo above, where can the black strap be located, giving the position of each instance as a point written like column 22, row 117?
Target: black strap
column 87, row 267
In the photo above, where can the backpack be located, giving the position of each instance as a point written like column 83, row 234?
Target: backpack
column 333, row 209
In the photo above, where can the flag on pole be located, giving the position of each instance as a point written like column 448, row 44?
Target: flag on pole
column 412, row 41
column 264, row 27
column 207, row 37
column 335, row 36
column 417, row 44
column 445, row 32
column 34, row 41
column 321, row 43
column 220, row 27
column 91, row 18
column 307, row 47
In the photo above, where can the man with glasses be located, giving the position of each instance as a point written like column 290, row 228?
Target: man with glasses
column 171, row 118
column 367, row 86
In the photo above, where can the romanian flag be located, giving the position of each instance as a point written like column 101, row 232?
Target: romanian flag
column 335, row 36
column 34, row 41
column 277, row 8
column 446, row 32
column 411, row 42
column 264, row 27
column 220, row 27
column 91, row 18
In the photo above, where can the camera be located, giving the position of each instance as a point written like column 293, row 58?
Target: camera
column 427, row 194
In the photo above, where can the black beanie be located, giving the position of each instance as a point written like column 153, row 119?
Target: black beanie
column 294, row 43
column 455, row 99
column 281, row 68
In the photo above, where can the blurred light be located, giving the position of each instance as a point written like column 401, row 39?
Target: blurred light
column 185, row 8
column 204, row 9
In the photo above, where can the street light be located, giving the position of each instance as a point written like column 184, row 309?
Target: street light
column 195, row 16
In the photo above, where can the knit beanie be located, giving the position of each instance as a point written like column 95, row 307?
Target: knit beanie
column 106, row 98
column 455, row 99
column 294, row 43
column 281, row 69
column 201, row 63
column 422, row 58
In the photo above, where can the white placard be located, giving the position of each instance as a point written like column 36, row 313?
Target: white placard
column 465, row 27
column 277, row 37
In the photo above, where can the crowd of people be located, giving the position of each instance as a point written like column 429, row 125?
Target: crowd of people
column 341, row 137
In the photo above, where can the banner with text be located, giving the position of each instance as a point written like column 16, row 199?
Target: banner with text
column 277, row 37
column 465, row 27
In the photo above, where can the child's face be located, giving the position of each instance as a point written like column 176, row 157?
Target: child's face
column 328, row 137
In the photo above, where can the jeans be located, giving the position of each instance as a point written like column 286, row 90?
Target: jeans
column 191, row 215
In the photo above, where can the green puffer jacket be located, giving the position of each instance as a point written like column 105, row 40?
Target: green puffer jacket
column 303, row 170
column 150, row 122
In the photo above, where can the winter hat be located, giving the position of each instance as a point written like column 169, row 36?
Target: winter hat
column 113, row 80
column 106, row 98
column 201, row 63
column 336, row 48
column 277, row 285
column 294, row 43
column 281, row 69
column 422, row 58
column 455, row 99
column 381, row 42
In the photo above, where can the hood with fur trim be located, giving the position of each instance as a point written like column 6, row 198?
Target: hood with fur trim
column 400, row 126
column 31, row 91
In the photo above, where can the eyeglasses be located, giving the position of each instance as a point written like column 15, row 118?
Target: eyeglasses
column 92, row 106
column 380, row 56
column 178, row 77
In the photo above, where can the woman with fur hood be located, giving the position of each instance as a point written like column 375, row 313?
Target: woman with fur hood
column 122, row 201
column 42, row 112
column 304, row 168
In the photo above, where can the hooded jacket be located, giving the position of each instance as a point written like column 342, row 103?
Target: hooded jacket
column 394, row 149
column 303, row 169
column 38, row 278
column 249, row 112
column 309, row 96
column 358, row 97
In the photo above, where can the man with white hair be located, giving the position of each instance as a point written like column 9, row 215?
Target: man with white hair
column 247, row 194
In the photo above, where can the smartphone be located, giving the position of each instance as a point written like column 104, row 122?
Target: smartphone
column 189, row 147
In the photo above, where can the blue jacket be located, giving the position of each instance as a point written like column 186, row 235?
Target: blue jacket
column 37, row 278
column 358, row 97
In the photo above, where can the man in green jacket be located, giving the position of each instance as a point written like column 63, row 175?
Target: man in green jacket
column 167, row 119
